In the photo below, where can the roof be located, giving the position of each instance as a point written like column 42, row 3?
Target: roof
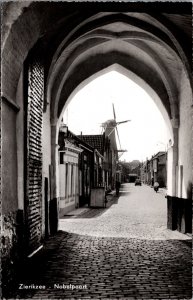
column 73, row 139
column 96, row 141
column 70, row 146
column 160, row 153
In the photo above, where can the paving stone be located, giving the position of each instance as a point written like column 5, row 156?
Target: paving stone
column 112, row 267
column 121, row 286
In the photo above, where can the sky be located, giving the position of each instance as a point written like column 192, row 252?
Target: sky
column 143, row 136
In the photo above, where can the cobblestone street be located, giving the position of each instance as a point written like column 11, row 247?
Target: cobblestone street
column 139, row 213
column 111, row 267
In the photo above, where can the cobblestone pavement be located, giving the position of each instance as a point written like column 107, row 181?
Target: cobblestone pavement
column 111, row 268
column 139, row 213
column 116, row 255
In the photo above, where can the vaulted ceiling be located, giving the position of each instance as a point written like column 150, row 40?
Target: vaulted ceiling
column 78, row 40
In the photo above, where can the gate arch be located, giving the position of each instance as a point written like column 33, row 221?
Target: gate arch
column 153, row 95
column 77, row 45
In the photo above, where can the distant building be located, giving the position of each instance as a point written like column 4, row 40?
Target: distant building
column 155, row 169
column 119, row 173
column 86, row 172
column 135, row 172
column 160, row 168
column 133, row 177
column 125, row 171
column 146, row 172
column 91, row 171
column 96, row 142
column 107, row 148
column 143, row 172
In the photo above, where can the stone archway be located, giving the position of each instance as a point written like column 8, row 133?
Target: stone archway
column 79, row 43
column 142, row 54
column 137, row 80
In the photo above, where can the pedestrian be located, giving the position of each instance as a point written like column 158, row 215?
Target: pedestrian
column 117, row 185
column 106, row 200
column 156, row 186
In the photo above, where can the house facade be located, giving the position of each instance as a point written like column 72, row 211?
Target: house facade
column 81, row 168
column 106, row 149
column 69, row 177
column 86, row 172
column 155, row 169
column 160, row 168
column 76, row 171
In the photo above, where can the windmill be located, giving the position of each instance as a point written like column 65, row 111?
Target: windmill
column 112, row 126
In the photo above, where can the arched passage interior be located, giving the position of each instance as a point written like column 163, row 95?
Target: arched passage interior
column 77, row 45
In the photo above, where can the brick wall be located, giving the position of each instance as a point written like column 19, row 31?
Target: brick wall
column 33, row 194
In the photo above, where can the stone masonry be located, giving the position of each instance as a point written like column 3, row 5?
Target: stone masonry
column 114, row 253
column 111, row 268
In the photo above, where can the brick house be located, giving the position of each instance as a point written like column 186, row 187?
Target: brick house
column 75, row 153
column 104, row 146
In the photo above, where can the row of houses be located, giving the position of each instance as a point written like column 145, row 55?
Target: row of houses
column 150, row 171
column 155, row 169
column 88, row 166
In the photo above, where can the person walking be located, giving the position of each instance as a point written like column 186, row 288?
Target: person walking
column 156, row 186
column 117, row 186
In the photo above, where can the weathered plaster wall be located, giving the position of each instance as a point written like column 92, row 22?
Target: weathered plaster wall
column 185, row 138
column 180, row 205
column 9, row 159
column 169, row 171
column 9, row 250
column 9, row 193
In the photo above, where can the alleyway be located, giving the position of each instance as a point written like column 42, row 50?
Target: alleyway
column 122, row 252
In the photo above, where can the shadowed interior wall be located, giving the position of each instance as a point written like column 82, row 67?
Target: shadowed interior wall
column 185, row 139
column 46, row 162
column 9, row 159
column 9, row 237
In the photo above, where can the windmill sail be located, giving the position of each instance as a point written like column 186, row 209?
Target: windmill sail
column 112, row 124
